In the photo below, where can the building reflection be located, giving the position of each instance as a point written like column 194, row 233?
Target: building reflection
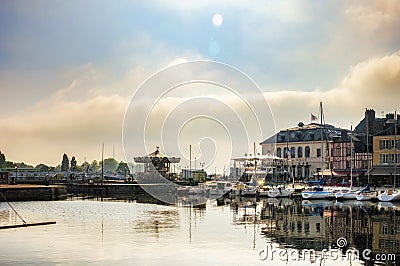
column 317, row 225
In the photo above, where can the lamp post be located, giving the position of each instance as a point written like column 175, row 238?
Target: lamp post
column 14, row 181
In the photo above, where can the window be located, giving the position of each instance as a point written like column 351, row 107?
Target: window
column 388, row 144
column 318, row 152
column 389, row 158
column 307, row 152
column 300, row 152
column 279, row 152
column 285, row 152
column 292, row 152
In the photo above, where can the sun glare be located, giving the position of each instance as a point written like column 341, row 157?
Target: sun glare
column 217, row 19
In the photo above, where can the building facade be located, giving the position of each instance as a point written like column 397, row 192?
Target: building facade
column 305, row 148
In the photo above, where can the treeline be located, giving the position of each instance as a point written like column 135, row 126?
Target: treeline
column 67, row 165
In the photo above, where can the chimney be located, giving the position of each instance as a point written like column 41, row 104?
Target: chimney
column 344, row 135
column 370, row 120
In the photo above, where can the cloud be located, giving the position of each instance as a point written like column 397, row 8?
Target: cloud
column 76, row 128
column 373, row 83
column 77, row 119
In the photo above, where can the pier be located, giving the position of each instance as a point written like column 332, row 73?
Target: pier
column 27, row 192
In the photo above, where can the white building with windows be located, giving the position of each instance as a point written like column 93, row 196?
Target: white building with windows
column 304, row 147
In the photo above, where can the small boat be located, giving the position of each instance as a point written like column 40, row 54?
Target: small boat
column 219, row 188
column 346, row 193
column 389, row 195
column 279, row 192
column 250, row 191
column 316, row 193
column 364, row 194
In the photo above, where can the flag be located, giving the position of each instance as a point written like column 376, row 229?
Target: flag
column 313, row 117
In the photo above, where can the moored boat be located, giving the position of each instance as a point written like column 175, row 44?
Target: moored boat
column 365, row 194
column 346, row 193
column 389, row 195
column 316, row 193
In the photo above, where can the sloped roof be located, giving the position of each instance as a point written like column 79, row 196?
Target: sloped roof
column 310, row 132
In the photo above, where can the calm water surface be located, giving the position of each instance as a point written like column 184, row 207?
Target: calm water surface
column 236, row 231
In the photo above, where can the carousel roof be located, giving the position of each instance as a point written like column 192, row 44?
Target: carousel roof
column 156, row 154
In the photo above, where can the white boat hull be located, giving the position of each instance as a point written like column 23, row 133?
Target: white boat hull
column 345, row 195
column 366, row 196
column 316, row 194
column 389, row 196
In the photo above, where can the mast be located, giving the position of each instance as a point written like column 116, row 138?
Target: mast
column 102, row 164
column 395, row 148
column 351, row 157
column 322, row 140
column 367, row 122
column 255, row 161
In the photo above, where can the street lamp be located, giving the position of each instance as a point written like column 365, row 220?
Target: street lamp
column 14, row 181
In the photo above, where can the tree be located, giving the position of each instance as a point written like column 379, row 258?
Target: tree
column 2, row 160
column 110, row 165
column 65, row 163
column 85, row 167
column 94, row 166
column 42, row 167
column 73, row 164
column 123, row 168
column 23, row 165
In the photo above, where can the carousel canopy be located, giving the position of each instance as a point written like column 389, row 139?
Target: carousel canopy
column 156, row 154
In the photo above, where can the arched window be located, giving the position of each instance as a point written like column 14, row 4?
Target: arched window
column 279, row 152
column 307, row 152
column 292, row 152
column 300, row 152
column 285, row 152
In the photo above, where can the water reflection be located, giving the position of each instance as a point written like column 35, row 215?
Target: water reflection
column 230, row 231
column 154, row 221
column 301, row 225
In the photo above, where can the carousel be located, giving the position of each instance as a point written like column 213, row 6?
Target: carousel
column 156, row 164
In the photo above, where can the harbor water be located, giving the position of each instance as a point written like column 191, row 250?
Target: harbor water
column 236, row 231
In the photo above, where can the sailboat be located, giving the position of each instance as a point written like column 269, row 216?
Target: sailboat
column 392, row 194
column 348, row 193
column 318, row 192
column 365, row 193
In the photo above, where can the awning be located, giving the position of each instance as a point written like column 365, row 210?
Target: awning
column 384, row 170
column 327, row 172
column 349, row 173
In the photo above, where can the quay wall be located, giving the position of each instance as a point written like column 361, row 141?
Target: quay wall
column 106, row 190
column 33, row 192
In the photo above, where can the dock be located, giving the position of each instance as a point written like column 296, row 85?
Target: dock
column 28, row 192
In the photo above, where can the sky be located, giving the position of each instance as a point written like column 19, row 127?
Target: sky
column 70, row 72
